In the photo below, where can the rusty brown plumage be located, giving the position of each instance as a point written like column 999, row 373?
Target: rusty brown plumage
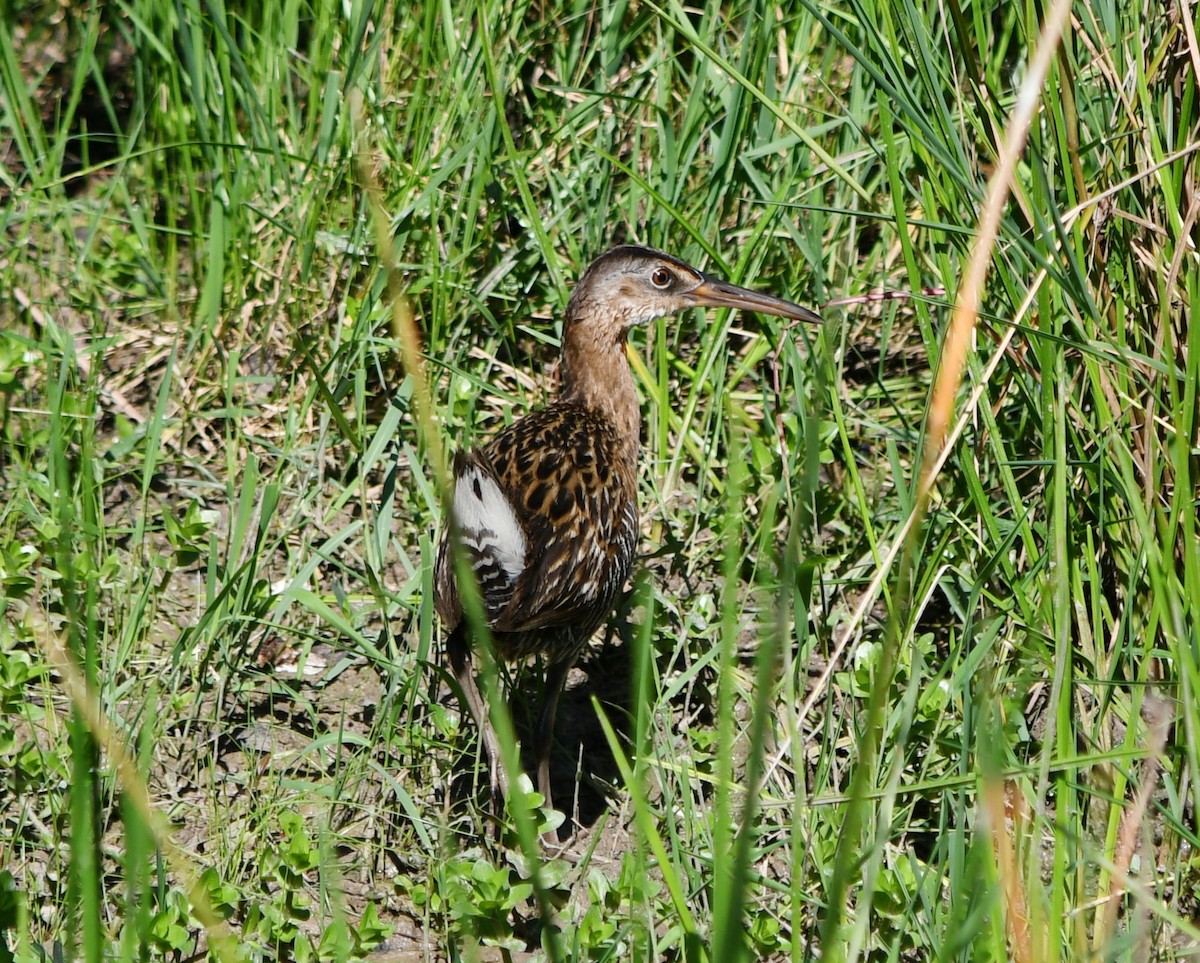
column 545, row 514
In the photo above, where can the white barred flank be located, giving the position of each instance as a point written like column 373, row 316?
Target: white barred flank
column 488, row 529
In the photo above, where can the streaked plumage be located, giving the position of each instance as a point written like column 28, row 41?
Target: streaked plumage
column 546, row 512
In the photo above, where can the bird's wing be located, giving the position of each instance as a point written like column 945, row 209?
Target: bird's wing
column 559, row 470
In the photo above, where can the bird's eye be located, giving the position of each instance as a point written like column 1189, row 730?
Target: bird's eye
column 661, row 277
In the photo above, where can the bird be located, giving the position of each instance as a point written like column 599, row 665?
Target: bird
column 545, row 514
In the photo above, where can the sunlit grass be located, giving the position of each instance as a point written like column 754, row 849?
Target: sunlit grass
column 217, row 499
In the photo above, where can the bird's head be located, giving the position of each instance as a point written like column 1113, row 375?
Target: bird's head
column 632, row 285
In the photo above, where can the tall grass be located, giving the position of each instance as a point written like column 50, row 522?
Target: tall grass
column 219, row 508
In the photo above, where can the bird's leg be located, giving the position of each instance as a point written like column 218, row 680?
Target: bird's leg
column 459, row 653
column 556, row 679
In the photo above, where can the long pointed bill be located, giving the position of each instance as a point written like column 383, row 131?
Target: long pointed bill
column 715, row 293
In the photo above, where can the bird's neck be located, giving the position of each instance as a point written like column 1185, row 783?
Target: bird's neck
column 595, row 373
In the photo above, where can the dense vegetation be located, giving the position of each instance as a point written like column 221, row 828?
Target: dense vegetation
column 822, row 726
